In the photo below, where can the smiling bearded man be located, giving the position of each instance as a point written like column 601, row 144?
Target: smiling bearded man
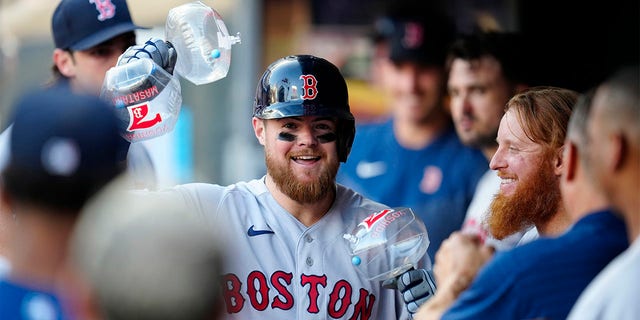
column 317, row 184
column 529, row 162
column 286, row 229
column 534, row 202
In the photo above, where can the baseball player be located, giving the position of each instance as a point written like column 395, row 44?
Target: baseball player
column 63, row 150
column 485, row 70
column 88, row 37
column 414, row 158
column 286, row 229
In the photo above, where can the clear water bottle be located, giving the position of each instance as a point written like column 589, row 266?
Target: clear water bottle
column 387, row 243
column 202, row 42
column 147, row 99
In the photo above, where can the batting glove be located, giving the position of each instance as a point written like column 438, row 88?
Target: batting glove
column 161, row 52
column 416, row 287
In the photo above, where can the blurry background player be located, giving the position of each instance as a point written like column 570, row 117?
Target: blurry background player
column 89, row 36
column 485, row 71
column 414, row 158
column 64, row 148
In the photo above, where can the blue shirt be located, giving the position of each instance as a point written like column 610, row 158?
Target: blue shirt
column 543, row 279
column 19, row 302
column 437, row 181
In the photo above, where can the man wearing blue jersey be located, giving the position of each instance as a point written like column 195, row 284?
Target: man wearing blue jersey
column 414, row 158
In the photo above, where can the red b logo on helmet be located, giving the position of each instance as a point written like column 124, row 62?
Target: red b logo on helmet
column 309, row 88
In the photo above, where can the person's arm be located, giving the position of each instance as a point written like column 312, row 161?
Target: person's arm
column 456, row 265
column 447, row 293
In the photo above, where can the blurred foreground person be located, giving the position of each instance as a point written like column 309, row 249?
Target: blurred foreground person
column 88, row 37
column 614, row 163
column 64, row 148
column 135, row 259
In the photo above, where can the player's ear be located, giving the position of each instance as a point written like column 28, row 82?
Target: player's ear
column 558, row 160
column 259, row 129
column 64, row 62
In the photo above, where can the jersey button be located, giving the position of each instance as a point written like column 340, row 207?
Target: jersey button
column 309, row 261
column 309, row 238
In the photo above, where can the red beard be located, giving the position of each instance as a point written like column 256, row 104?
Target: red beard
column 534, row 202
column 302, row 192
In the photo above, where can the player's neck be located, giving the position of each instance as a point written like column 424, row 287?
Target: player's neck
column 628, row 202
column 582, row 198
column 624, row 194
column 38, row 248
column 557, row 225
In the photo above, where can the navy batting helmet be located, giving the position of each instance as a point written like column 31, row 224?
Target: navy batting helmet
column 306, row 85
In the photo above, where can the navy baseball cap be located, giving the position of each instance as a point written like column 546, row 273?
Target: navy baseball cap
column 416, row 32
column 82, row 24
column 63, row 147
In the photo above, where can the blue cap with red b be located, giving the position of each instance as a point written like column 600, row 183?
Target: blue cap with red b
column 82, row 24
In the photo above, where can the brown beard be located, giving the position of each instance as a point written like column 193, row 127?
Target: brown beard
column 534, row 202
column 302, row 192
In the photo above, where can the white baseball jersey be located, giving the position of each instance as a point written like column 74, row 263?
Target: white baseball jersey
column 278, row 268
column 613, row 293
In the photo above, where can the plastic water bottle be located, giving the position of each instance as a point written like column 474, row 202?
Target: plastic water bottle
column 147, row 98
column 387, row 243
column 202, row 42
